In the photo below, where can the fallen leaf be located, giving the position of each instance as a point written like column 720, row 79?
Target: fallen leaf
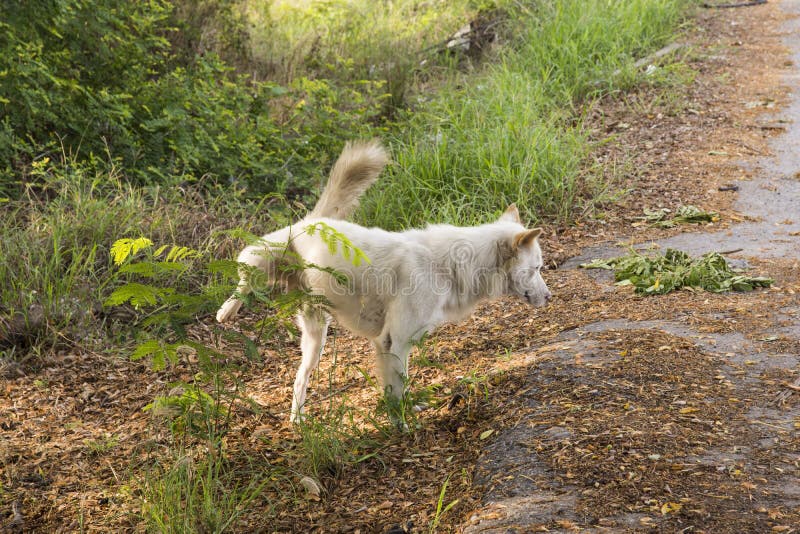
column 486, row 433
column 669, row 507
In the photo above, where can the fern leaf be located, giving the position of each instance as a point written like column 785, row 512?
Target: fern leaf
column 181, row 253
column 122, row 249
column 158, row 353
column 227, row 268
column 138, row 295
column 151, row 269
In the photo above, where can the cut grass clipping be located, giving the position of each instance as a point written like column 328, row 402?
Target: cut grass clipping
column 676, row 269
column 683, row 215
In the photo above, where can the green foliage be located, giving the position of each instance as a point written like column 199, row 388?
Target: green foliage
column 98, row 81
column 675, row 270
column 683, row 215
column 513, row 131
column 331, row 441
column 333, row 239
column 441, row 508
column 201, row 495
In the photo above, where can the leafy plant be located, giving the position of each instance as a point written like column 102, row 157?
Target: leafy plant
column 441, row 508
column 675, row 270
column 683, row 215
column 205, row 495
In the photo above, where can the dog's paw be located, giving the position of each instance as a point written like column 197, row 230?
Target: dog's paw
column 297, row 418
column 228, row 310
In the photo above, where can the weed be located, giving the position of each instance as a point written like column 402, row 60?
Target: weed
column 513, row 133
column 100, row 446
column 332, row 441
column 206, row 495
column 441, row 509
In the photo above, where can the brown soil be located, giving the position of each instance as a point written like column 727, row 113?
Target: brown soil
column 653, row 429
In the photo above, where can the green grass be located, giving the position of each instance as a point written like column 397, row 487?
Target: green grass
column 306, row 38
column 205, row 495
column 513, row 133
column 55, row 239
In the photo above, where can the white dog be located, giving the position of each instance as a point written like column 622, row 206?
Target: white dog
column 413, row 282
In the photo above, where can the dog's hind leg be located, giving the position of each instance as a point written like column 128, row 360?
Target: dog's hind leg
column 314, row 327
column 392, row 370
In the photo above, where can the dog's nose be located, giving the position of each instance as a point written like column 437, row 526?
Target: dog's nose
column 548, row 296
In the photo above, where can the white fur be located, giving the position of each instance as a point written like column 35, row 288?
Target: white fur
column 415, row 281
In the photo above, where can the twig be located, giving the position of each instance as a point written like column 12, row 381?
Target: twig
column 655, row 55
column 783, row 396
column 734, row 251
column 740, row 4
column 793, row 387
column 658, row 54
column 18, row 520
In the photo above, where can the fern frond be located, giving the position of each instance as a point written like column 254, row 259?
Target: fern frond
column 228, row 268
column 178, row 253
column 333, row 238
column 138, row 294
column 160, row 353
column 122, row 249
column 150, row 269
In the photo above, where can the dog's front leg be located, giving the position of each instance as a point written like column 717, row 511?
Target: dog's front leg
column 314, row 327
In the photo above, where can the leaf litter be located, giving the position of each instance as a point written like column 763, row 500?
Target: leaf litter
column 689, row 214
column 675, row 269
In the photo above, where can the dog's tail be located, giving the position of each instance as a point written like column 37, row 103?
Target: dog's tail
column 356, row 169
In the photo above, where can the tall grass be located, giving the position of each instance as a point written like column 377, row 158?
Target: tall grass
column 55, row 238
column 205, row 495
column 513, row 133
column 295, row 38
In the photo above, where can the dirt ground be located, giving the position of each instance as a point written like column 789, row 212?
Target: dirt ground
column 608, row 411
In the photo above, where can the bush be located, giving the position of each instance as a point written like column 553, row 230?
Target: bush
column 99, row 81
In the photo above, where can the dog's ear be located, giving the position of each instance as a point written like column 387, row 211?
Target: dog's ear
column 525, row 239
column 511, row 214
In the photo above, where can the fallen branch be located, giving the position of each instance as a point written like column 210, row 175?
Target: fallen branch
column 655, row 55
column 740, row 4
column 783, row 396
column 793, row 387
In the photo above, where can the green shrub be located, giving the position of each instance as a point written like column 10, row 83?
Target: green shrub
column 98, row 81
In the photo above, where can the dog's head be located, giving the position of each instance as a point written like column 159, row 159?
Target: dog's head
column 523, row 262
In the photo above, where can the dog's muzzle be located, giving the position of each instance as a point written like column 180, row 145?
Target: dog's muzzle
column 530, row 297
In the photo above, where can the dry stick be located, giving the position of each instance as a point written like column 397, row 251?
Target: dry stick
column 655, row 55
column 740, row 4
column 783, row 396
